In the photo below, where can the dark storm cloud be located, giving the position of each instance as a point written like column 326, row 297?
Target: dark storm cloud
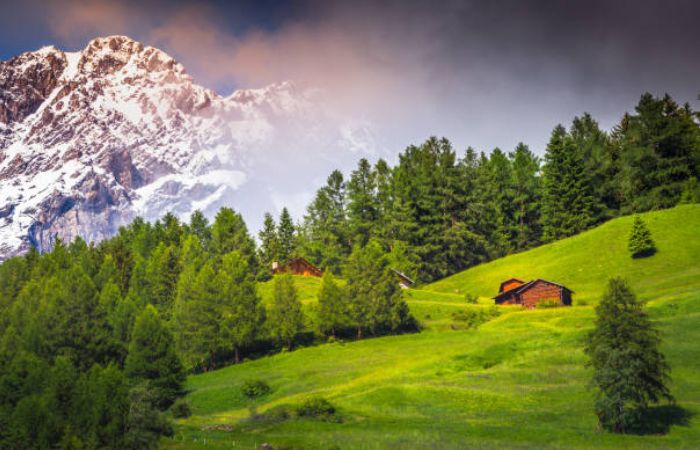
column 484, row 73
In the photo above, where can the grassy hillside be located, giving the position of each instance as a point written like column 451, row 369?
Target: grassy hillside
column 584, row 262
column 518, row 381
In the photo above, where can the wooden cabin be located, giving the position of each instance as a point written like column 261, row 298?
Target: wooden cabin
column 516, row 292
column 404, row 281
column 297, row 266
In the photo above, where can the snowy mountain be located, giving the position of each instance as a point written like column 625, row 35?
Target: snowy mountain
column 91, row 139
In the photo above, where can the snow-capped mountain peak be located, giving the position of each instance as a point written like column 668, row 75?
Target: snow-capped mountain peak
column 90, row 139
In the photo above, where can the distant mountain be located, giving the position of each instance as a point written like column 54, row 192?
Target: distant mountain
column 91, row 139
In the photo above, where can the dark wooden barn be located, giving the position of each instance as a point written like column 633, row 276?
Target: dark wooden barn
column 297, row 266
column 516, row 292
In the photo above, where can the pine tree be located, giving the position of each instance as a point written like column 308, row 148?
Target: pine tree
column 526, row 187
column 640, row 242
column 242, row 314
column 229, row 233
column 362, row 202
column 325, row 229
column 199, row 227
column 269, row 248
column 332, row 306
column 285, row 236
column 152, row 358
column 374, row 296
column 567, row 204
column 162, row 272
column 286, row 317
column 630, row 372
column 197, row 320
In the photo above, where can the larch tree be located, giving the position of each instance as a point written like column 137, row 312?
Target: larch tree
column 332, row 306
column 152, row 358
column 286, row 316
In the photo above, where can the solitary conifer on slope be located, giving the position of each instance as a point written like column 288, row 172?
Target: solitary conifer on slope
column 640, row 243
column 630, row 371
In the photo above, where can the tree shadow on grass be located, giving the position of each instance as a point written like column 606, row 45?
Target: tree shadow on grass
column 660, row 419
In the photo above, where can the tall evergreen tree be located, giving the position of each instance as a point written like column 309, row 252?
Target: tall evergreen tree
column 325, row 231
column 332, row 306
column 152, row 358
column 567, row 197
column 375, row 298
column 362, row 202
column 660, row 149
column 243, row 315
column 630, row 372
column 269, row 245
column 286, row 317
column 526, row 198
column 229, row 233
column 286, row 244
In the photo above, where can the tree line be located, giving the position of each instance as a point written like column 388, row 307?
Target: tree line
column 96, row 340
column 436, row 213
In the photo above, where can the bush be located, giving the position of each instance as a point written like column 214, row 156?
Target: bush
column 181, row 409
column 255, row 388
column 548, row 303
column 472, row 318
column 471, row 299
column 317, row 408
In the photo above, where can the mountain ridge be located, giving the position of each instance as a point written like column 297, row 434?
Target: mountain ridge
column 91, row 139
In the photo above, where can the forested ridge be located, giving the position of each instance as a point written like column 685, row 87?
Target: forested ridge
column 437, row 212
column 96, row 340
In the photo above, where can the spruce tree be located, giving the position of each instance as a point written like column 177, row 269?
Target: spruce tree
column 325, row 228
column 374, row 297
column 286, row 245
column 152, row 358
column 640, row 241
column 286, row 317
column 362, row 202
column 242, row 314
column 629, row 370
column 332, row 306
column 229, row 232
column 269, row 248
column 526, row 197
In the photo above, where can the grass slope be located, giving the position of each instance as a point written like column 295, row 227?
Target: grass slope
column 518, row 381
column 584, row 262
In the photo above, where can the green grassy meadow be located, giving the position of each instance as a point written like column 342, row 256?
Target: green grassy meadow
column 518, row 381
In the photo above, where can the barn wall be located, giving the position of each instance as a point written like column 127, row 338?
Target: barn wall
column 540, row 291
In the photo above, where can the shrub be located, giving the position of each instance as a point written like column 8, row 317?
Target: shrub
column 317, row 408
column 471, row 299
column 548, row 303
column 181, row 409
column 255, row 388
column 472, row 318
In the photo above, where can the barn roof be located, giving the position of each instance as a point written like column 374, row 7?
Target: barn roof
column 500, row 289
column 403, row 276
column 524, row 287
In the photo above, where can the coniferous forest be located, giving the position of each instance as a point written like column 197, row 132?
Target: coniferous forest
column 96, row 339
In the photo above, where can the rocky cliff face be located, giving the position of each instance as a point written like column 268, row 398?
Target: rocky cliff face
column 90, row 139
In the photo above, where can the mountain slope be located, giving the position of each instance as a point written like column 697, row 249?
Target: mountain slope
column 90, row 139
column 518, row 381
column 584, row 262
